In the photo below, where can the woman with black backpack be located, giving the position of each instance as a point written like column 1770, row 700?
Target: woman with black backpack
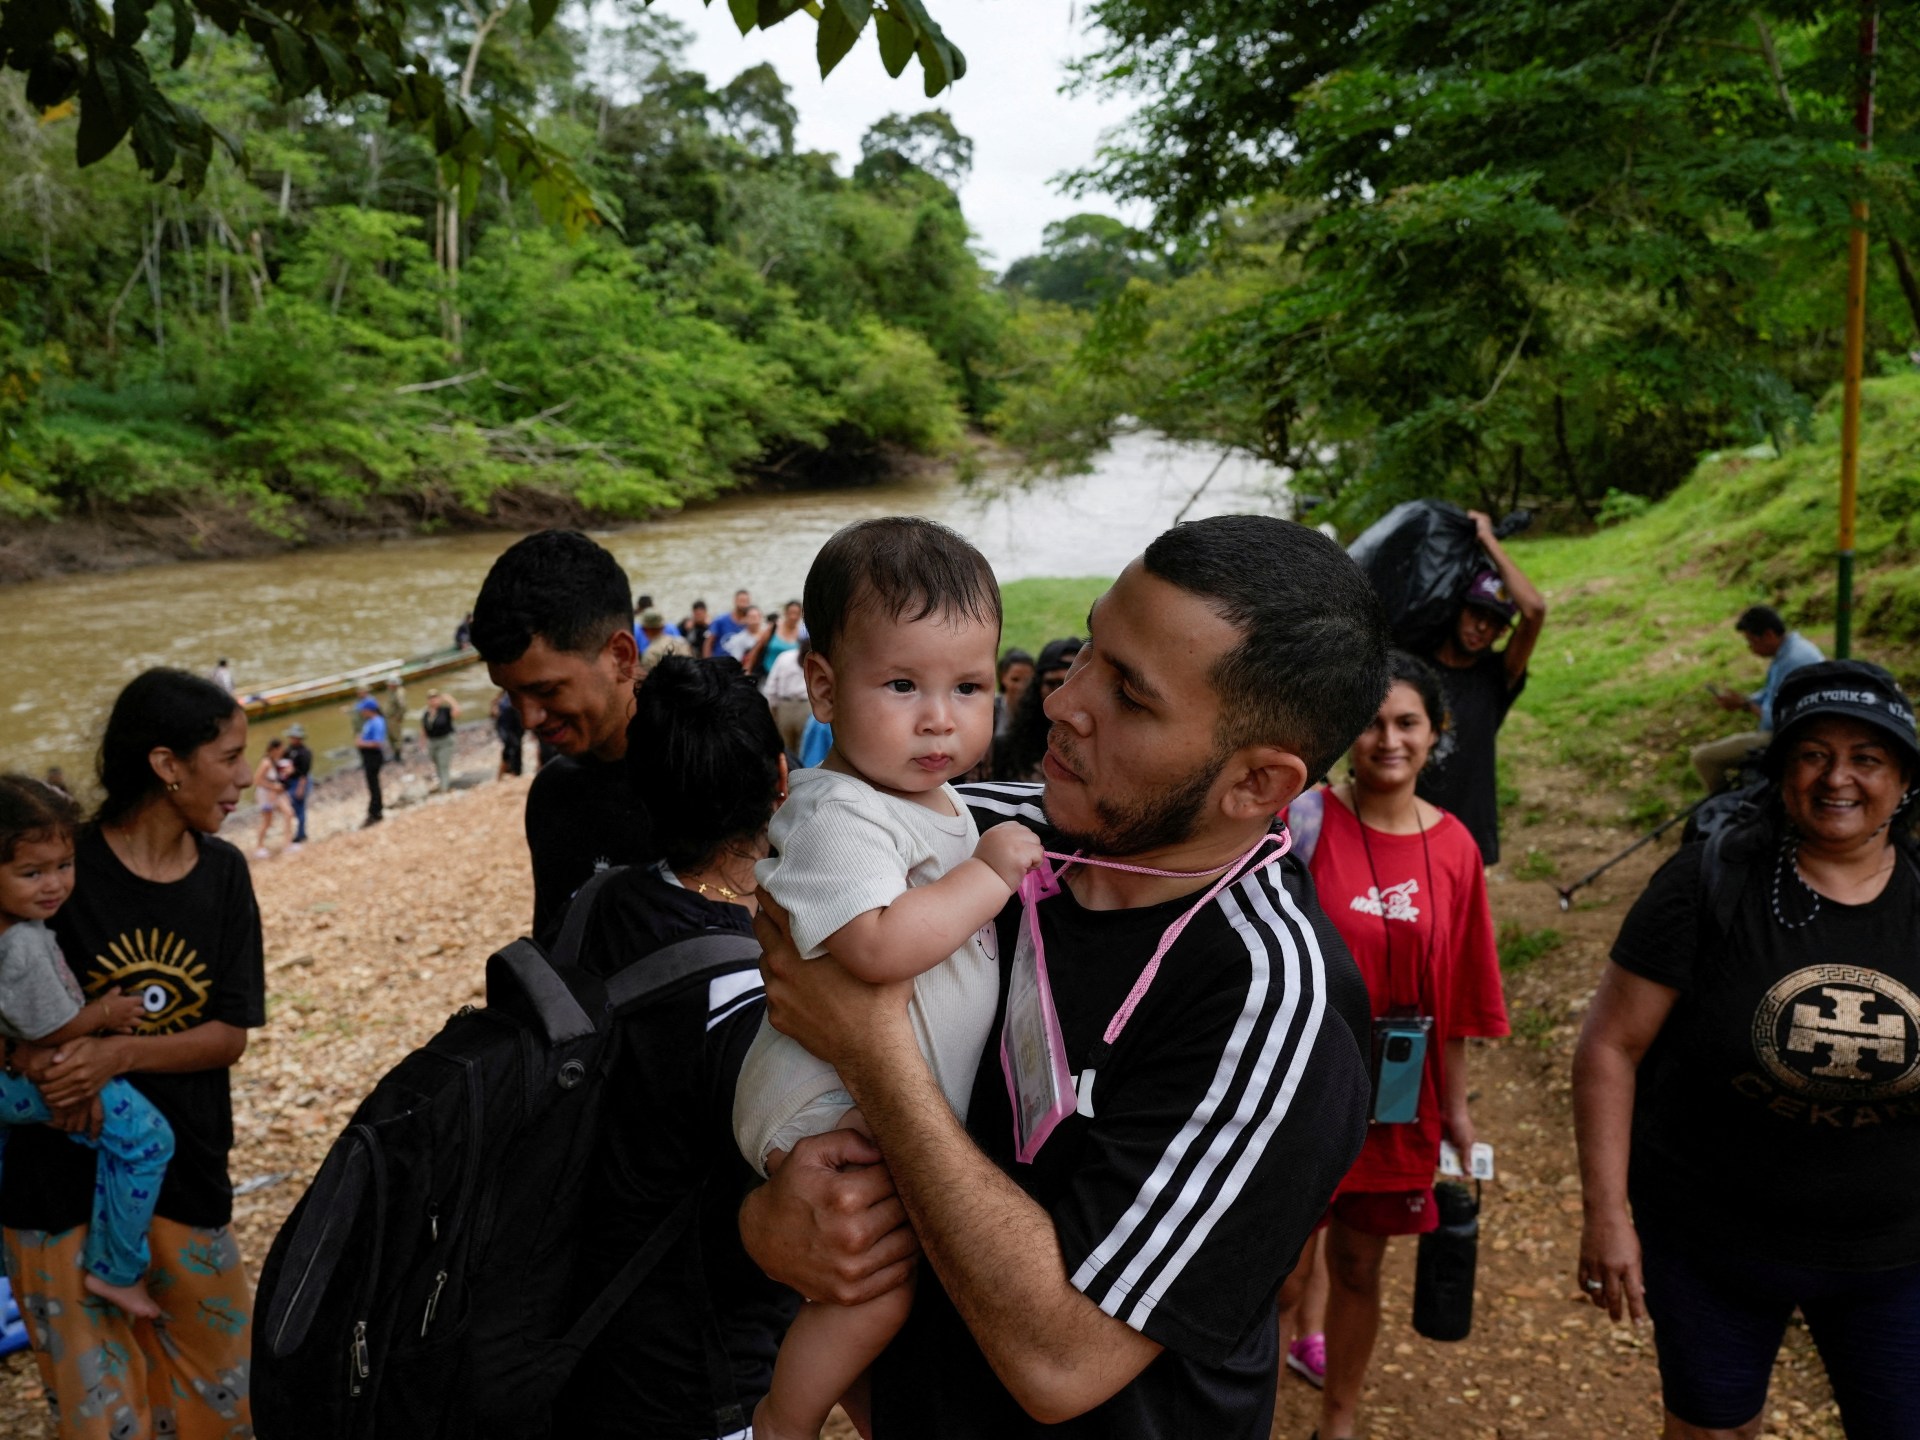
column 1747, row 1085
column 691, row 1351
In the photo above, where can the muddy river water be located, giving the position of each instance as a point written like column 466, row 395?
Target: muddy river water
column 70, row 643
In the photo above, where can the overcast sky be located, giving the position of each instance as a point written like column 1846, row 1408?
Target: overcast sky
column 1024, row 131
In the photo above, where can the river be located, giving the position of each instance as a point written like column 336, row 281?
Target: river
column 72, row 642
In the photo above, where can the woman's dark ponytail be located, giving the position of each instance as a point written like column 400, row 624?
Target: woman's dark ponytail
column 159, row 710
column 703, row 759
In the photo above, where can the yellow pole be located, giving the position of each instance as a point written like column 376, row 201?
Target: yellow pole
column 1855, row 342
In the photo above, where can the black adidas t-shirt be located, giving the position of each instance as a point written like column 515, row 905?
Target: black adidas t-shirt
column 579, row 821
column 1777, row 1114
column 191, row 949
column 1206, row 1148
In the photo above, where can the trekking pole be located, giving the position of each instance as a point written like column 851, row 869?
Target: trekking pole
column 1566, row 891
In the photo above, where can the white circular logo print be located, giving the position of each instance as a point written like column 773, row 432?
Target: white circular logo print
column 1840, row 1032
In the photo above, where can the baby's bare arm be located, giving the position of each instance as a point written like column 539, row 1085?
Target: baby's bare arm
column 105, row 1013
column 928, row 923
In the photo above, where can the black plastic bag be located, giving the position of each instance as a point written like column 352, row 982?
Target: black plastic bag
column 1420, row 556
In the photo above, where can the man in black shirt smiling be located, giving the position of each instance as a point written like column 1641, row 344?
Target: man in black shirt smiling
column 1121, row 1281
column 553, row 623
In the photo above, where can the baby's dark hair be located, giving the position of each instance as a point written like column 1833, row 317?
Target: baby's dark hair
column 703, row 759
column 1407, row 669
column 33, row 810
column 902, row 567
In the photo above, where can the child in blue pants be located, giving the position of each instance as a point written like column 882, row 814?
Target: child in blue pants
column 41, row 1002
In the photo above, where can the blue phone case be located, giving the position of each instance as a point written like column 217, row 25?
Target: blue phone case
column 1399, row 1060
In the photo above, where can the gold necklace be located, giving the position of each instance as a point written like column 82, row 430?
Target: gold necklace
column 702, row 887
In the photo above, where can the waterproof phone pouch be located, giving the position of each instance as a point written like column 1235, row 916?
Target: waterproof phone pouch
column 1399, row 1064
column 1033, row 1052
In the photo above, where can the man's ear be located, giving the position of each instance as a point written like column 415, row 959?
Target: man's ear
column 1267, row 779
column 819, row 676
column 625, row 651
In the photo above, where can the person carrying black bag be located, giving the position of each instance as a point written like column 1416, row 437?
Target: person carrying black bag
column 691, row 1352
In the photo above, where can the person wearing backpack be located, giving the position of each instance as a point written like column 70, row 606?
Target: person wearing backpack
column 691, row 1352
column 1745, row 1083
column 436, row 727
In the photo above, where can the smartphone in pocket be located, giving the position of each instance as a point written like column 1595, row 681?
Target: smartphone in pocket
column 1399, row 1063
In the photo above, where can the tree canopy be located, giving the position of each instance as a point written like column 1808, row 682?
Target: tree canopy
column 346, row 331
column 76, row 54
column 1493, row 248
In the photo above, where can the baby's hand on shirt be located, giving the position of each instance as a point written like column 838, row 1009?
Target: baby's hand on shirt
column 1011, row 849
column 124, row 1011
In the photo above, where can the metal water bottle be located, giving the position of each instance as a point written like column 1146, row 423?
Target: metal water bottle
column 1443, row 1273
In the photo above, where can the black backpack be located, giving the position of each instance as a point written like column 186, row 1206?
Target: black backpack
column 424, row 1285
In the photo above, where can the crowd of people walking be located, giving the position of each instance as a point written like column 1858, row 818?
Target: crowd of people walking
column 1145, row 1040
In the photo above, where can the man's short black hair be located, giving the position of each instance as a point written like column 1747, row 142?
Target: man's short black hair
column 902, row 567
column 556, row 584
column 1311, row 666
column 1760, row 620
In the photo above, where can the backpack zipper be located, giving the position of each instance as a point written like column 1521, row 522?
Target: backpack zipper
column 433, row 1302
column 359, row 1359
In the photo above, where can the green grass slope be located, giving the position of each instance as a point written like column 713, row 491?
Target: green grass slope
column 1642, row 613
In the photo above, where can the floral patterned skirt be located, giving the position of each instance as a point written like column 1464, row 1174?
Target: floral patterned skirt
column 182, row 1377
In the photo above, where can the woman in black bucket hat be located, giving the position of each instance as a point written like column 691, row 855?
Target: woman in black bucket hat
column 1747, row 1085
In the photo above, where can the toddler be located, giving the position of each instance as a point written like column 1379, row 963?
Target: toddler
column 879, row 864
column 41, row 1002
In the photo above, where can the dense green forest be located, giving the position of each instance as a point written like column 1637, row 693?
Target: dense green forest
column 1497, row 250
column 339, row 330
column 1505, row 252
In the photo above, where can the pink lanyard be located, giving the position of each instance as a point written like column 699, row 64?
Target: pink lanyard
column 1047, row 882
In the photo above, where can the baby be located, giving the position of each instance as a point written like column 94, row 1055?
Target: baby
column 879, row 864
column 41, row 1002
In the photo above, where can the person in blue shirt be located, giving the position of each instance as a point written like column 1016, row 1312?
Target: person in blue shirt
column 642, row 606
column 1785, row 651
column 372, row 744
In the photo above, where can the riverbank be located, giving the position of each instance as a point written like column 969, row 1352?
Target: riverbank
column 373, row 937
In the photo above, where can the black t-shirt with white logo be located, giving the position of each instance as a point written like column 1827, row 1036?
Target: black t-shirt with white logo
column 191, row 950
column 1778, row 1112
column 579, row 821
column 1460, row 776
column 1205, row 1149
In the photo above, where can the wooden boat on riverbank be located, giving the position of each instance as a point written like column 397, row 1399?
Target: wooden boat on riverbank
column 285, row 697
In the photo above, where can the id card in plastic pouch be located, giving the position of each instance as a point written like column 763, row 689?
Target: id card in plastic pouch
column 1399, row 1062
column 1033, row 1052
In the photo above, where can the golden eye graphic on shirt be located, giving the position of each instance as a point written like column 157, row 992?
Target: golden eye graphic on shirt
column 170, row 979
column 1840, row 1032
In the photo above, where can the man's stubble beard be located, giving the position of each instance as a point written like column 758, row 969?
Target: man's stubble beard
column 1156, row 822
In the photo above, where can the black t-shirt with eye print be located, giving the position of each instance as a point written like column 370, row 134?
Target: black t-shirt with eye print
column 191, row 950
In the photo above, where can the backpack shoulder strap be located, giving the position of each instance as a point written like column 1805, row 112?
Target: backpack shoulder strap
column 566, row 950
column 1722, row 879
column 669, row 965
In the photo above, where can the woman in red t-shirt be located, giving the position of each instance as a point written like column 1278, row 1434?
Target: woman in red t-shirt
column 1402, row 882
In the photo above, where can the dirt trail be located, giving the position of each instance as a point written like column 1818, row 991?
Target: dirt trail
column 374, row 937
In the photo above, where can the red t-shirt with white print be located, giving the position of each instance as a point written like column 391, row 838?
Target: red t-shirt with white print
column 1417, row 922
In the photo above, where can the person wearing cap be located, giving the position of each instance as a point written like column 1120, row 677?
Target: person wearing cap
column 657, row 640
column 1481, row 683
column 643, row 606
column 299, row 781
column 437, row 729
column 1785, row 651
column 1747, row 1084
column 372, row 745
